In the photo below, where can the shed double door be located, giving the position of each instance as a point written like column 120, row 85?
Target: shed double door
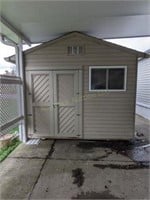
column 55, row 104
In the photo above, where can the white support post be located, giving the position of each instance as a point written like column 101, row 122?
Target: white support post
column 20, row 72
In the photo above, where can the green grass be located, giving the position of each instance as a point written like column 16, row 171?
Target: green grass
column 16, row 129
column 4, row 152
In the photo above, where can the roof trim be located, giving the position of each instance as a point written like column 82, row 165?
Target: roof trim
column 138, row 54
column 97, row 40
column 14, row 30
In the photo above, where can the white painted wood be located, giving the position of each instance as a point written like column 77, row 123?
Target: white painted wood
column 40, row 112
column 63, row 104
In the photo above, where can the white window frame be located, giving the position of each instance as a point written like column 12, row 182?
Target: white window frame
column 108, row 67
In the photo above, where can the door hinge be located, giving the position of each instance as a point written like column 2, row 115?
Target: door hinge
column 78, row 114
column 29, row 114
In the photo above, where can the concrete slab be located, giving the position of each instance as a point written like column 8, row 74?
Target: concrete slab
column 82, row 150
column 17, row 177
column 32, row 151
column 61, row 179
column 142, row 126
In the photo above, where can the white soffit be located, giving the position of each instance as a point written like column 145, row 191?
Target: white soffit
column 42, row 20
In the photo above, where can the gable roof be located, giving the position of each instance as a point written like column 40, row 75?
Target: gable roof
column 138, row 54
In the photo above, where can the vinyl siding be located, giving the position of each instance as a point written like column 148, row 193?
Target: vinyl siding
column 143, row 88
column 108, row 115
column 143, row 82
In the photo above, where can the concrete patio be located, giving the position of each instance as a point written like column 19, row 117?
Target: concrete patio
column 142, row 127
column 67, row 169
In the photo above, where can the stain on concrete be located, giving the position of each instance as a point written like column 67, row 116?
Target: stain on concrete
column 127, row 148
column 106, row 187
column 126, row 167
column 96, row 195
column 102, row 157
column 78, row 176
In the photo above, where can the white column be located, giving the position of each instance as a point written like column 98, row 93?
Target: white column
column 21, row 96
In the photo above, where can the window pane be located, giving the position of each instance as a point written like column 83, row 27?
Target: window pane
column 98, row 79
column 116, row 79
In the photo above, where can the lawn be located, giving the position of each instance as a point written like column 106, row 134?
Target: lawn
column 4, row 152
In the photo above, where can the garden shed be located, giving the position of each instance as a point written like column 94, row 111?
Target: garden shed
column 78, row 86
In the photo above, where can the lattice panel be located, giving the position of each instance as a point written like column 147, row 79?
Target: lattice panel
column 8, row 103
column 66, row 118
column 40, row 84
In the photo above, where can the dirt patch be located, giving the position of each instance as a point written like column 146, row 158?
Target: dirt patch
column 78, row 176
column 96, row 195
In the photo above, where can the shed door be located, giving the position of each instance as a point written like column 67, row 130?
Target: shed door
column 41, row 103
column 66, row 103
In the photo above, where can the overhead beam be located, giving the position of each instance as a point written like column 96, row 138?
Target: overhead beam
column 15, row 30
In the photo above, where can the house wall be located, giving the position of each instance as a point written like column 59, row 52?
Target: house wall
column 143, row 88
column 106, row 115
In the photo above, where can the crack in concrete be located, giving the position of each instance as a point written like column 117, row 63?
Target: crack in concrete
column 21, row 157
column 42, row 166
column 74, row 159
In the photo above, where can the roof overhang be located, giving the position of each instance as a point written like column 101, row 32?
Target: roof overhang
column 138, row 54
column 40, row 21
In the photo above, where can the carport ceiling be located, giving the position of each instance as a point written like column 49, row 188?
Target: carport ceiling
column 43, row 20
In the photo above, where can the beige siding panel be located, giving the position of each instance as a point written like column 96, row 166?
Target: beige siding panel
column 106, row 115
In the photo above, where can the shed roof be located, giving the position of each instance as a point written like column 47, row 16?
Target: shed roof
column 138, row 54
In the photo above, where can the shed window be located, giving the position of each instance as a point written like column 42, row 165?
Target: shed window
column 107, row 78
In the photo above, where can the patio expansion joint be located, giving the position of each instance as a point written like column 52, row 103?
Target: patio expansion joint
column 41, row 169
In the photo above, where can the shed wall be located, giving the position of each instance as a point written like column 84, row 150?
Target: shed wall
column 105, row 114
column 143, row 88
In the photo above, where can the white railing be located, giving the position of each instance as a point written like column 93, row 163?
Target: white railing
column 10, row 87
